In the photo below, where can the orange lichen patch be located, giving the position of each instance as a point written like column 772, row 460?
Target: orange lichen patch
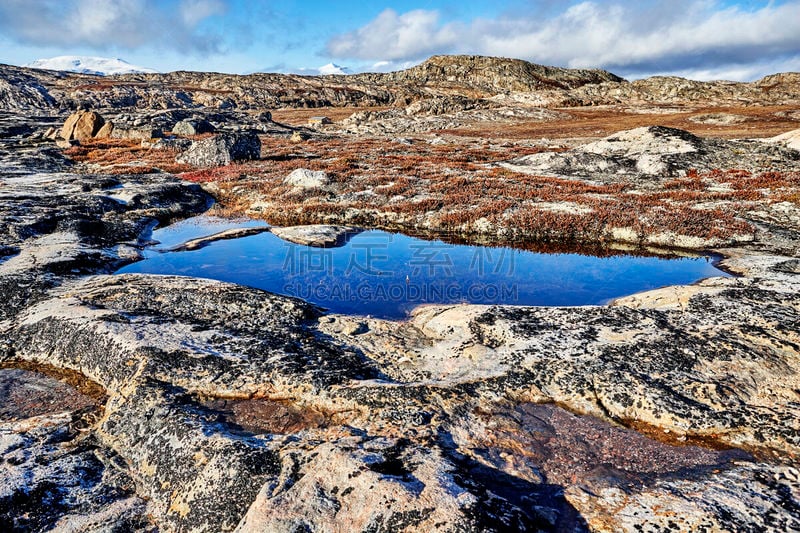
column 225, row 173
column 742, row 180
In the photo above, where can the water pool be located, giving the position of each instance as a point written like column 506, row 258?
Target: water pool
column 386, row 274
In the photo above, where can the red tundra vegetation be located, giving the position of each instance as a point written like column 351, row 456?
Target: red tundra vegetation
column 460, row 188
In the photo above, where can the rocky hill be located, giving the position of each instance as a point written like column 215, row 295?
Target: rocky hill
column 22, row 88
column 776, row 89
column 492, row 75
column 464, row 77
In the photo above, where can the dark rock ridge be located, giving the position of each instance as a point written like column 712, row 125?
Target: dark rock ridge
column 775, row 89
column 23, row 89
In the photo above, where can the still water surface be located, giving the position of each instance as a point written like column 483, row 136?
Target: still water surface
column 386, row 275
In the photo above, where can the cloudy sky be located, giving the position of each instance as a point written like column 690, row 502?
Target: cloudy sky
column 701, row 39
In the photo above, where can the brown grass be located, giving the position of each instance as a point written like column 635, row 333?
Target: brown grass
column 300, row 117
column 123, row 156
column 452, row 187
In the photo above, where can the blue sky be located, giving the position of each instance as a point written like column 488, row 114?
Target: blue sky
column 701, row 39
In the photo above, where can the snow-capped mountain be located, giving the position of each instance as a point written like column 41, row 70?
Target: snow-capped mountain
column 333, row 68
column 101, row 66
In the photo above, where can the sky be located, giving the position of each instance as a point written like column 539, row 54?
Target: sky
column 700, row 39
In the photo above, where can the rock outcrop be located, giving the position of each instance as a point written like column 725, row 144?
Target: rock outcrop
column 718, row 119
column 60, row 225
column 192, row 127
column 656, row 152
column 790, row 139
column 61, row 480
column 84, row 125
column 235, row 233
column 778, row 89
column 307, row 179
column 222, row 149
column 495, row 75
column 137, row 133
column 437, row 114
column 23, row 89
column 318, row 235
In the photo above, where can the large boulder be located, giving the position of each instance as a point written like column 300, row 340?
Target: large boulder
column 193, row 127
column 790, row 139
column 82, row 125
column 649, row 140
column 222, row 149
column 105, row 131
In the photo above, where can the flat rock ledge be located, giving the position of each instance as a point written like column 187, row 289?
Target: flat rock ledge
column 234, row 233
column 318, row 235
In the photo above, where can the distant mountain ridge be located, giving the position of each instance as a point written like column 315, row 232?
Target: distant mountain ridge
column 445, row 83
column 98, row 66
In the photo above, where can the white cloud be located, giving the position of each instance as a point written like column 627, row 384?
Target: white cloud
column 392, row 36
column 699, row 36
column 736, row 72
column 388, row 66
column 196, row 11
column 105, row 24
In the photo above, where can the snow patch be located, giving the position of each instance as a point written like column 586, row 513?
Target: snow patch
column 333, row 68
column 99, row 66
